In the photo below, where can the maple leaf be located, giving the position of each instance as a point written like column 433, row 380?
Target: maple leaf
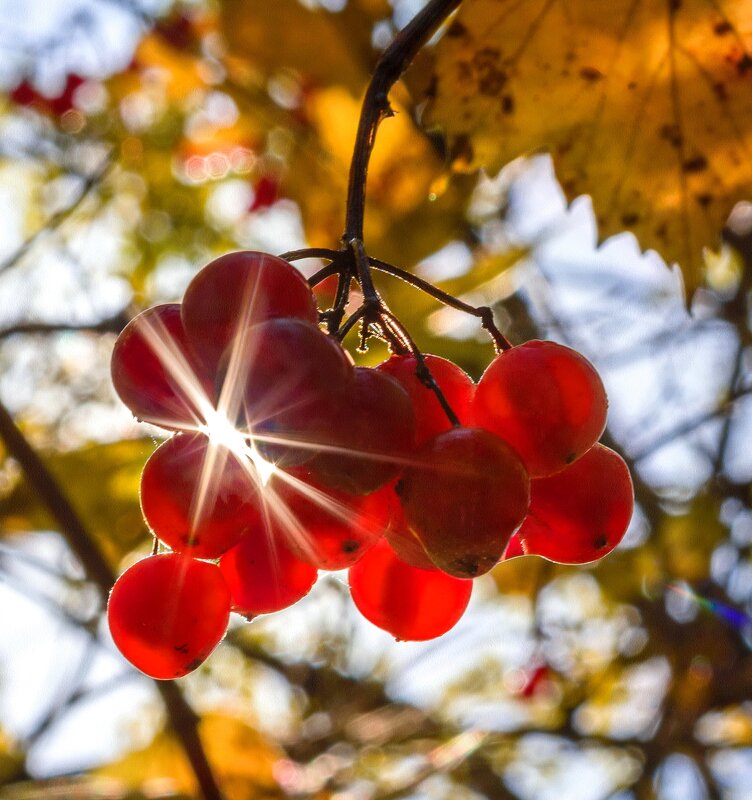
column 645, row 106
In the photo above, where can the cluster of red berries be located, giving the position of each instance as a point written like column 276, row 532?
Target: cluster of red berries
column 288, row 460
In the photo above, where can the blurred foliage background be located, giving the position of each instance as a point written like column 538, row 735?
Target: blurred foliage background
column 140, row 138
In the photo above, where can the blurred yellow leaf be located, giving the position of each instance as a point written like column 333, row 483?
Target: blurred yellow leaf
column 101, row 481
column 687, row 541
column 323, row 47
column 644, row 106
column 403, row 169
column 241, row 757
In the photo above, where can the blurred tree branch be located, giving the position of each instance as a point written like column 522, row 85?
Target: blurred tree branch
column 182, row 718
column 113, row 324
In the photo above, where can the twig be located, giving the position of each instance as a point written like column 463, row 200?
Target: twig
column 394, row 61
column 484, row 313
column 311, row 252
column 422, row 371
column 182, row 717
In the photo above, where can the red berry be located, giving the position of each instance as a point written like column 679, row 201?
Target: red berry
column 294, row 372
column 154, row 372
column 401, row 539
column 178, row 31
column 199, row 497
column 465, row 497
column 64, row 101
column 369, row 436
column 265, row 193
column 264, row 575
column 410, row 603
column 544, row 399
column 25, row 94
column 582, row 513
column 328, row 528
column 455, row 384
column 236, row 291
column 167, row 613
column 514, row 548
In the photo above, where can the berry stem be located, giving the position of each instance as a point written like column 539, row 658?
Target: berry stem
column 371, row 298
column 311, row 252
column 335, row 315
column 352, row 321
column 484, row 313
column 393, row 62
column 182, row 717
column 422, row 371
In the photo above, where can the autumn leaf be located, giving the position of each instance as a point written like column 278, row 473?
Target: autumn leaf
column 324, row 48
column 108, row 505
column 645, row 106
column 242, row 758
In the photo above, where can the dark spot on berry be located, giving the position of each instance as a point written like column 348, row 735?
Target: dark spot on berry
column 399, row 487
column 628, row 219
column 632, row 85
column 182, row 648
column 350, row 546
column 675, row 5
column 600, row 542
column 507, row 104
column 704, row 199
column 722, row 28
column 195, row 664
column 468, row 565
column 456, row 29
column 572, row 457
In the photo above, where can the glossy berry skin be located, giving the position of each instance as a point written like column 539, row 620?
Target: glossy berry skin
column 580, row 514
column 238, row 290
column 369, row 437
column 167, row 613
column 294, row 372
column 155, row 373
column 456, row 385
column 468, row 495
column 264, row 575
column 544, row 399
column 328, row 528
column 410, row 603
column 199, row 498
column 401, row 539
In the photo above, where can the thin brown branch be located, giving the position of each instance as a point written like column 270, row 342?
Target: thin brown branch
column 394, row 61
column 183, row 719
column 422, row 370
column 484, row 313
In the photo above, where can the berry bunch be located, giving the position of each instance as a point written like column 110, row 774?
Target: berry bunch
column 288, row 459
